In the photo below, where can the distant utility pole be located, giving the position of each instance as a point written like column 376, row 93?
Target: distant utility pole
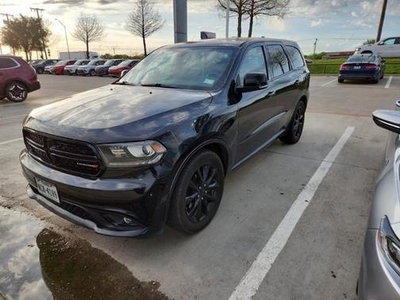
column 37, row 10
column 382, row 19
column 315, row 47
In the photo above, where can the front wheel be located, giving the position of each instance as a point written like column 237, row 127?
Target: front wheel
column 16, row 92
column 295, row 128
column 197, row 193
column 92, row 73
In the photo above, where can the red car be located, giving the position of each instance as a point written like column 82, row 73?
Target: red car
column 115, row 71
column 17, row 78
column 58, row 68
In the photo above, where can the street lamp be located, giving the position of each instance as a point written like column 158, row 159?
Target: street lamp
column 66, row 37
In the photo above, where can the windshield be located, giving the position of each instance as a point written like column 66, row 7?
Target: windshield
column 81, row 62
column 202, row 68
column 109, row 62
column 60, row 63
column 361, row 58
column 125, row 63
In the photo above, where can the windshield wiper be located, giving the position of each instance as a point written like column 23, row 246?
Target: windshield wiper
column 159, row 85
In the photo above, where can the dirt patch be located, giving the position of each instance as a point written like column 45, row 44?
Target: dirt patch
column 73, row 269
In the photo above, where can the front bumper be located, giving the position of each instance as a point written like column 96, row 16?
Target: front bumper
column 377, row 278
column 102, row 204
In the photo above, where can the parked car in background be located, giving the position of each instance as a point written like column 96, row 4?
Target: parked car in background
column 362, row 67
column 115, row 71
column 157, row 144
column 39, row 65
column 71, row 69
column 89, row 68
column 380, row 268
column 389, row 47
column 103, row 69
column 58, row 68
column 17, row 78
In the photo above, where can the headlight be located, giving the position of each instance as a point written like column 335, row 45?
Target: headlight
column 132, row 154
column 390, row 244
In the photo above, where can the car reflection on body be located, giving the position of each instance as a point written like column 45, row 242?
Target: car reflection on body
column 367, row 66
column 380, row 267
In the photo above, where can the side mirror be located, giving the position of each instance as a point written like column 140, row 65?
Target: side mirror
column 381, row 43
column 253, row 82
column 383, row 60
column 124, row 72
column 387, row 119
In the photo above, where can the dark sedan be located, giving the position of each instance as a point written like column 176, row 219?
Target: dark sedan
column 103, row 69
column 367, row 66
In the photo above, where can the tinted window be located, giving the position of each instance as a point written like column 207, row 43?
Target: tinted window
column 295, row 57
column 253, row 62
column 6, row 63
column 278, row 60
column 389, row 41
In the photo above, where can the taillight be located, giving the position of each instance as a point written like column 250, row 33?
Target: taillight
column 371, row 66
column 344, row 67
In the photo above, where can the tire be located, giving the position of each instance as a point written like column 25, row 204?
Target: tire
column 2, row 97
column 16, row 92
column 295, row 128
column 375, row 80
column 340, row 80
column 40, row 70
column 197, row 193
column 92, row 73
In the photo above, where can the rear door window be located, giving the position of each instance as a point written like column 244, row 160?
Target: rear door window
column 295, row 57
column 278, row 60
column 7, row 63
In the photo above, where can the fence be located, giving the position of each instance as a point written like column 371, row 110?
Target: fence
column 333, row 68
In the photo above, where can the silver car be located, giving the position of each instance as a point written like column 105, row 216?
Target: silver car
column 380, row 267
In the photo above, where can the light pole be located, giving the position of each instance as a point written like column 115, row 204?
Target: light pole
column 66, row 37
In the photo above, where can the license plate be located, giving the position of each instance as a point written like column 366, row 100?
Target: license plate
column 357, row 67
column 47, row 189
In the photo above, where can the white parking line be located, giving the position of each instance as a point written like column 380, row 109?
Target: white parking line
column 250, row 283
column 332, row 81
column 389, row 82
column 10, row 141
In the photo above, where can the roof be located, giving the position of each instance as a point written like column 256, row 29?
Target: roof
column 235, row 42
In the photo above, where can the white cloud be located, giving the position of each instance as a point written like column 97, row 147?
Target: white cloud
column 316, row 23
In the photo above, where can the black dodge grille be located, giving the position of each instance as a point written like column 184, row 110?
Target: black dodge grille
column 68, row 156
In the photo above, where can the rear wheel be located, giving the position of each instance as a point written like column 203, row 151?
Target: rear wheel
column 16, row 92
column 375, row 80
column 340, row 80
column 197, row 193
column 295, row 128
column 40, row 70
column 92, row 73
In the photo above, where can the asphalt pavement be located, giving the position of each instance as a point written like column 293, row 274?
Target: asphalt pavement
column 292, row 219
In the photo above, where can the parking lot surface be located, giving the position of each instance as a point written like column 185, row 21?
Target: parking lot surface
column 292, row 219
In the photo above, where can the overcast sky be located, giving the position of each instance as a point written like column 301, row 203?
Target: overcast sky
column 338, row 25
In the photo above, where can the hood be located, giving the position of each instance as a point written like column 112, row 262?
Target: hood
column 118, row 113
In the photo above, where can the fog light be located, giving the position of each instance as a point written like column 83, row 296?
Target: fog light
column 128, row 220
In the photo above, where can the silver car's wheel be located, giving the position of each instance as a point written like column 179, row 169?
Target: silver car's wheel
column 16, row 92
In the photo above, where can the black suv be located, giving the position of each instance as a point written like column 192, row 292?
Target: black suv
column 155, row 146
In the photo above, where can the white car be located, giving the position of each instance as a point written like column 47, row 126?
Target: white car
column 389, row 47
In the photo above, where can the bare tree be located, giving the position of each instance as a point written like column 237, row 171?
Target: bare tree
column 88, row 29
column 143, row 21
column 238, row 7
column 257, row 8
column 251, row 9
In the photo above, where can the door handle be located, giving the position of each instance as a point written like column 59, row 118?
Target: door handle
column 271, row 93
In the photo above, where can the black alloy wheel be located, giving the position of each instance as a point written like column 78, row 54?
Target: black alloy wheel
column 16, row 92
column 92, row 73
column 197, row 193
column 295, row 128
column 40, row 70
